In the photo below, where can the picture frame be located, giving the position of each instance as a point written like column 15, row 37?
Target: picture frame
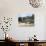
column 26, row 20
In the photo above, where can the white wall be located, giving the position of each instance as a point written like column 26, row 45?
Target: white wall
column 11, row 8
column 45, row 28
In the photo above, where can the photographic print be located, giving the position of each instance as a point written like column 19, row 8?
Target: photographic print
column 26, row 20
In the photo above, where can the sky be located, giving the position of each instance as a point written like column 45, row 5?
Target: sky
column 24, row 14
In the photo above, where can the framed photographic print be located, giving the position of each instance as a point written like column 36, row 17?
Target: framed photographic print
column 26, row 19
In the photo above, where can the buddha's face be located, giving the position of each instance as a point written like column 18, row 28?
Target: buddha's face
column 35, row 3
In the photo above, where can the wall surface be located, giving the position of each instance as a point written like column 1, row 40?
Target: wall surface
column 10, row 8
